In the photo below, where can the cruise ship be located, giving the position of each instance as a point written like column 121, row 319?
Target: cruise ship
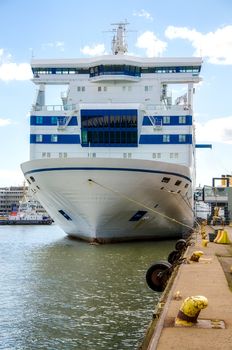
column 115, row 159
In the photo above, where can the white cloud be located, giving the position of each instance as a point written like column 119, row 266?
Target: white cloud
column 215, row 130
column 216, row 46
column 95, row 50
column 143, row 13
column 5, row 122
column 152, row 45
column 15, row 71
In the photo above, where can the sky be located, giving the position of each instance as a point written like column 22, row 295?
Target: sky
column 77, row 28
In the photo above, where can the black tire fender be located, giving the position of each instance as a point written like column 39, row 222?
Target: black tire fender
column 174, row 256
column 181, row 244
column 158, row 274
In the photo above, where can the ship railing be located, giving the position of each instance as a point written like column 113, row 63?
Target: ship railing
column 162, row 107
column 54, row 108
column 62, row 122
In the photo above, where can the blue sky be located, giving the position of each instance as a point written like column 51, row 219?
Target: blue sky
column 74, row 28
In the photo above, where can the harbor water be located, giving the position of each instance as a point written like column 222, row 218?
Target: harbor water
column 57, row 293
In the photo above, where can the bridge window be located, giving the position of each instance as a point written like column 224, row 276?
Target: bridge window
column 115, row 69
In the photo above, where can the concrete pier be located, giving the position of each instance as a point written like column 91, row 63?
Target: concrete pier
column 207, row 277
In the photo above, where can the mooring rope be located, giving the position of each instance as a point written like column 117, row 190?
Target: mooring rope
column 139, row 203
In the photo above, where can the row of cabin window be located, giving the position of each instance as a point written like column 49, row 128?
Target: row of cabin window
column 172, row 155
column 48, row 154
column 165, row 119
column 166, row 138
column 147, row 88
column 125, row 155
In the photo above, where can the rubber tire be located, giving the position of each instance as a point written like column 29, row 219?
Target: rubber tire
column 181, row 244
column 174, row 256
column 154, row 281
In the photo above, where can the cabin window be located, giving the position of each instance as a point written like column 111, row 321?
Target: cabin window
column 186, row 186
column 32, row 178
column 39, row 120
column 81, row 88
column 182, row 119
column 174, row 155
column 54, row 138
column 166, row 120
column 166, row 138
column 156, row 155
column 39, row 138
column 54, row 120
column 148, row 88
column 182, row 138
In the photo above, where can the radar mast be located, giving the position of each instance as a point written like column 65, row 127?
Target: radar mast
column 119, row 45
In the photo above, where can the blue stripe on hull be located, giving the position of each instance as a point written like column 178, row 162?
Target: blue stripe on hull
column 174, row 120
column 158, row 139
column 108, row 169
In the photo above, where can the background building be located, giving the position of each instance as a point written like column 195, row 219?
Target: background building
column 11, row 196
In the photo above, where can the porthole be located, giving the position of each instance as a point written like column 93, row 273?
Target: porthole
column 178, row 182
column 165, row 179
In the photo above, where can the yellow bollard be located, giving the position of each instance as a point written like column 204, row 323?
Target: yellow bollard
column 190, row 309
column 204, row 242
column 196, row 255
column 223, row 239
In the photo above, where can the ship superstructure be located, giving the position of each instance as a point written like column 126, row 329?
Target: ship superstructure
column 115, row 159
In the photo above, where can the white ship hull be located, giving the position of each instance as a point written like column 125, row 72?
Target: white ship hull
column 107, row 200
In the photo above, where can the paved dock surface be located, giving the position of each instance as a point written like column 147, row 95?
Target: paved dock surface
column 206, row 278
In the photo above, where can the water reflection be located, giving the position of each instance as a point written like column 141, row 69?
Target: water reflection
column 58, row 293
